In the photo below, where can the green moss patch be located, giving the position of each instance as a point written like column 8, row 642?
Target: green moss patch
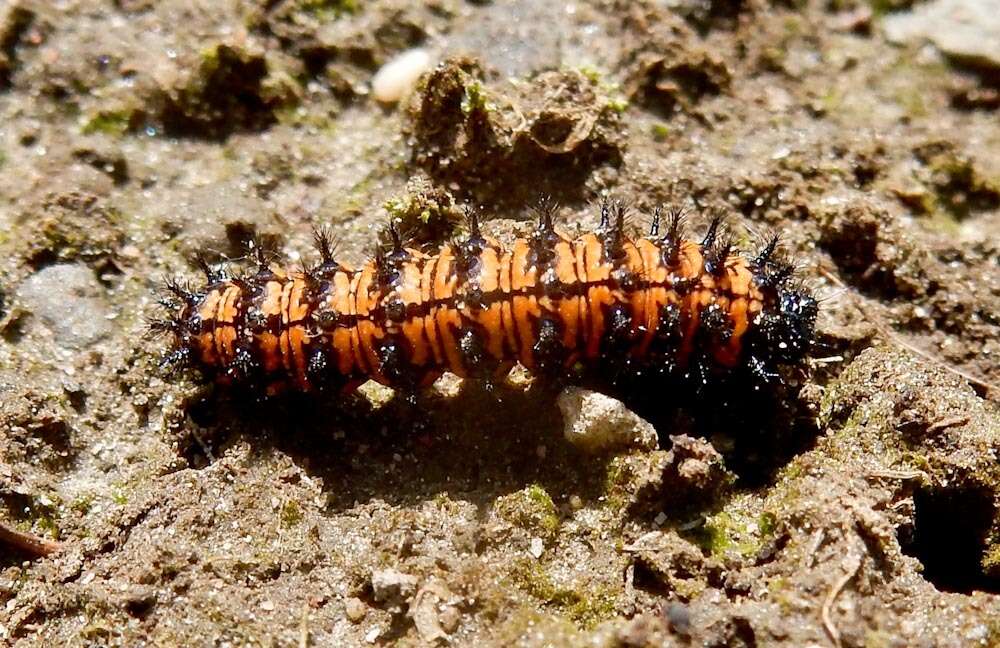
column 585, row 607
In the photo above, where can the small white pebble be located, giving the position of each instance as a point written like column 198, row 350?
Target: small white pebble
column 396, row 78
column 536, row 548
column 130, row 252
column 267, row 606
column 373, row 634
column 595, row 422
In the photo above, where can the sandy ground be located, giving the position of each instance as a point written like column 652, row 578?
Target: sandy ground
column 858, row 506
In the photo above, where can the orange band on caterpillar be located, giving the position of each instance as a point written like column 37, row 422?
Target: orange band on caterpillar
column 603, row 302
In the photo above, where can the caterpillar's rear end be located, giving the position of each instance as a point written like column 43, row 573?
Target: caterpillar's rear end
column 602, row 304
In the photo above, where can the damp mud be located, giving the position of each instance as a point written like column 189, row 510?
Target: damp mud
column 857, row 505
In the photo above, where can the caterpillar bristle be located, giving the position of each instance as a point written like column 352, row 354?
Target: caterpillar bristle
column 545, row 211
column 325, row 244
column 713, row 231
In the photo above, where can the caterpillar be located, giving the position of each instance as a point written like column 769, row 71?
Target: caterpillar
column 604, row 303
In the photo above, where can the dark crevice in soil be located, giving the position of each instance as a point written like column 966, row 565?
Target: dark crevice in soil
column 12, row 329
column 733, row 632
column 227, row 96
column 950, row 535
column 757, row 431
column 707, row 15
column 852, row 242
column 19, row 20
column 644, row 579
column 201, row 451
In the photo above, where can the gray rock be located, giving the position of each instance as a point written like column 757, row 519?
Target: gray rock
column 595, row 422
column 965, row 30
column 393, row 587
column 67, row 299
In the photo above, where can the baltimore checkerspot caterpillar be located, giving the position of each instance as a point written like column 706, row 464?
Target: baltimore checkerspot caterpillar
column 603, row 304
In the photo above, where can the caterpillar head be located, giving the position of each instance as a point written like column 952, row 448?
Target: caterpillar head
column 179, row 323
column 785, row 328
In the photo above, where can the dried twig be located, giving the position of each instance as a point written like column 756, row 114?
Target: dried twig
column 887, row 332
column 853, row 564
column 902, row 475
column 304, row 636
column 944, row 424
column 814, row 544
column 651, row 541
column 27, row 543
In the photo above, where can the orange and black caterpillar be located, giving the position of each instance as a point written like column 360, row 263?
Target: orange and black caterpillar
column 602, row 304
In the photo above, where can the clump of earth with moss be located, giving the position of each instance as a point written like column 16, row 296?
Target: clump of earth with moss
column 857, row 505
